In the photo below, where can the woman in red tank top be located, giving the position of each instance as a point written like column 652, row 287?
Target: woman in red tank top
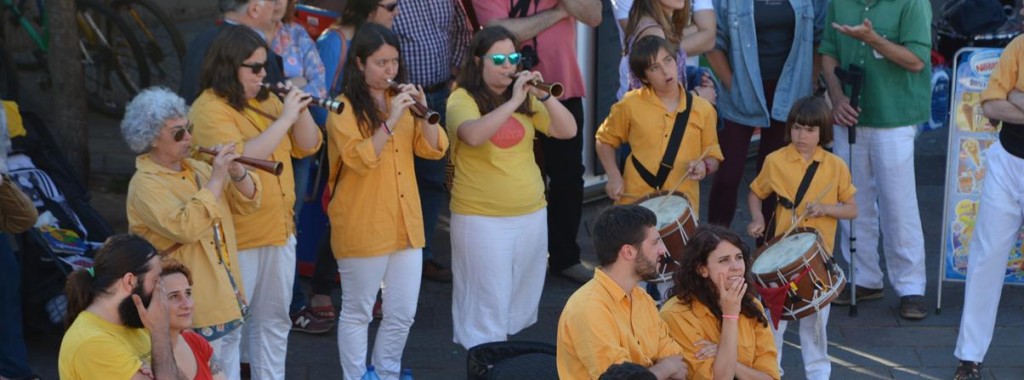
column 193, row 355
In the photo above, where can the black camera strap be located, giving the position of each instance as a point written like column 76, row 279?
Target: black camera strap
column 802, row 190
column 669, row 158
column 520, row 9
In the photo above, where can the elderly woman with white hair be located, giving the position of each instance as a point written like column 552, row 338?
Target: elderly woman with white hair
column 184, row 207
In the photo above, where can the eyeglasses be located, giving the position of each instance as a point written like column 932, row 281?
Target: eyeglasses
column 179, row 131
column 389, row 7
column 255, row 67
column 499, row 59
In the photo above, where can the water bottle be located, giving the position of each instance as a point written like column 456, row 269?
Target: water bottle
column 371, row 373
column 406, row 374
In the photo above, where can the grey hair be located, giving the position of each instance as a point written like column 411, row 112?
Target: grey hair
column 145, row 116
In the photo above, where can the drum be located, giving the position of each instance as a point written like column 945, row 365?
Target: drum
column 800, row 264
column 676, row 224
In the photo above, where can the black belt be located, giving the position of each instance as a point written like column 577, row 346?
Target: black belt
column 436, row 87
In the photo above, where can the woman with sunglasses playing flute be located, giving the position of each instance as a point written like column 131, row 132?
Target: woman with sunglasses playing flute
column 376, row 219
column 235, row 108
column 499, row 215
column 185, row 208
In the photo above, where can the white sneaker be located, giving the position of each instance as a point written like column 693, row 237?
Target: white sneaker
column 580, row 273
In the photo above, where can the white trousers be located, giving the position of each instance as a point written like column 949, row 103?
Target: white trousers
column 883, row 172
column 397, row 276
column 813, row 344
column 498, row 269
column 225, row 349
column 268, row 274
column 1000, row 216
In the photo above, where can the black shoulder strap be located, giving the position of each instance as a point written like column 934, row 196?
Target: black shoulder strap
column 802, row 190
column 669, row 158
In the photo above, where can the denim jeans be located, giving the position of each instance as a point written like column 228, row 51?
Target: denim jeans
column 13, row 355
column 430, row 178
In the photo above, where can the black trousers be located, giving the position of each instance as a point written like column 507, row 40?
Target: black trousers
column 563, row 165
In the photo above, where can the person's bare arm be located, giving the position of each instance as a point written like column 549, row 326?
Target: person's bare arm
column 525, row 28
column 1003, row 110
column 704, row 39
column 746, row 373
column 895, row 53
column 587, row 11
column 669, row 368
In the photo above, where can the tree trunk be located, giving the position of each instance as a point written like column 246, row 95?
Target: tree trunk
column 69, row 97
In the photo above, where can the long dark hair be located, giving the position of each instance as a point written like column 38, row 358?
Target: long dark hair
column 120, row 255
column 356, row 12
column 471, row 77
column 233, row 45
column 368, row 39
column 671, row 26
column 690, row 286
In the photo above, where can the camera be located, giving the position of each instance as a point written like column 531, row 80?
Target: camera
column 529, row 57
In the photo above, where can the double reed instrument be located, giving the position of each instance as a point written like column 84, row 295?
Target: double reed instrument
column 554, row 88
column 327, row 104
column 272, row 167
column 422, row 111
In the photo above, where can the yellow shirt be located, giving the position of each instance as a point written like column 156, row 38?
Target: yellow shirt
column 782, row 173
column 641, row 120
column 167, row 207
column 691, row 322
column 1007, row 75
column 96, row 349
column 601, row 325
column 499, row 177
column 376, row 207
column 215, row 122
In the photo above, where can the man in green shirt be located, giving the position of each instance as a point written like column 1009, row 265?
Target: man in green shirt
column 890, row 40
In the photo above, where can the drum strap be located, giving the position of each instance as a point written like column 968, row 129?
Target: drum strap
column 669, row 158
column 802, row 190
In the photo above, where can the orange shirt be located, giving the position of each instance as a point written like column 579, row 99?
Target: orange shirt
column 691, row 322
column 376, row 204
column 641, row 120
column 601, row 325
column 215, row 122
column 782, row 173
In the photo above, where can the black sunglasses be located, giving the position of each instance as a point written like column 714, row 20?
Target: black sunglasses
column 179, row 131
column 255, row 67
column 390, row 7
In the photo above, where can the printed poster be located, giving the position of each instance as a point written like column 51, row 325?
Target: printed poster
column 971, row 137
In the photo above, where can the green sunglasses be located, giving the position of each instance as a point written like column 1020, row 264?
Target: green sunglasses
column 499, row 59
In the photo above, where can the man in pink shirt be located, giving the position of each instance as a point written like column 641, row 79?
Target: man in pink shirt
column 548, row 27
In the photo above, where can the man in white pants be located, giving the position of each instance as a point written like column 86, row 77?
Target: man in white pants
column 891, row 42
column 1000, row 215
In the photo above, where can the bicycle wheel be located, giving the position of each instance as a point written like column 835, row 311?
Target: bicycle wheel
column 115, row 67
column 162, row 43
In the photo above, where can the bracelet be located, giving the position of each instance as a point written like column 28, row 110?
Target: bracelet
column 734, row 317
column 545, row 98
column 241, row 177
column 386, row 129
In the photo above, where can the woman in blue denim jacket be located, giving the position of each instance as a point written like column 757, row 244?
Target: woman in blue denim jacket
column 765, row 58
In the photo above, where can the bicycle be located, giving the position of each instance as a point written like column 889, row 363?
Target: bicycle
column 112, row 60
column 162, row 43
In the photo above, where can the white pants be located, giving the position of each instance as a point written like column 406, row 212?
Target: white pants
column 498, row 269
column 268, row 274
column 1000, row 216
column 225, row 349
column 397, row 276
column 813, row 344
column 883, row 172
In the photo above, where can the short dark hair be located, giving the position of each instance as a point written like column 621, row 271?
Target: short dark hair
column 618, row 226
column 811, row 111
column 171, row 266
column 233, row 45
column 645, row 52
column 627, row 371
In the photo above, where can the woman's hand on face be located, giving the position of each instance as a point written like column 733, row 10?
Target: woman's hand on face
column 295, row 102
column 730, row 294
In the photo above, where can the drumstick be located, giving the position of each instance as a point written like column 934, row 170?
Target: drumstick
column 804, row 213
column 686, row 175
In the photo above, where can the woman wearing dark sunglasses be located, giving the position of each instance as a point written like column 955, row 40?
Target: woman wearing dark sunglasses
column 499, row 217
column 376, row 219
column 235, row 108
column 183, row 205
